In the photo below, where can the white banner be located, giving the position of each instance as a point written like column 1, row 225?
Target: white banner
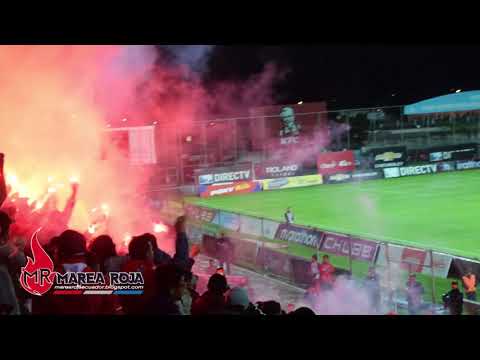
column 415, row 260
column 142, row 145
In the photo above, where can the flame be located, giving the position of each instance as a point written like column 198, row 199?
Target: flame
column 38, row 275
column 126, row 239
column 92, row 229
column 159, row 228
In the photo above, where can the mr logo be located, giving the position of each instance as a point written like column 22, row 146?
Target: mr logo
column 37, row 276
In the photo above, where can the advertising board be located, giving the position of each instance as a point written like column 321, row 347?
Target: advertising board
column 292, row 182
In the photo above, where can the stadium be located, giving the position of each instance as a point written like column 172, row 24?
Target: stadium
column 178, row 192
column 401, row 192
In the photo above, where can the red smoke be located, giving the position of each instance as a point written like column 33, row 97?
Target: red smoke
column 57, row 100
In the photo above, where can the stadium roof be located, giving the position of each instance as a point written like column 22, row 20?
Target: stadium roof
column 462, row 101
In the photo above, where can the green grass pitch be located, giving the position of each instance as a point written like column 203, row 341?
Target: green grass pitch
column 439, row 212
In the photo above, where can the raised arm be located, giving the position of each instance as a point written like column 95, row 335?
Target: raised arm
column 3, row 185
column 68, row 210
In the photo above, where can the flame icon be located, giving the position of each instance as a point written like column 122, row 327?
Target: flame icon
column 38, row 275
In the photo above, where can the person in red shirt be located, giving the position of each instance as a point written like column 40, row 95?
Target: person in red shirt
column 327, row 272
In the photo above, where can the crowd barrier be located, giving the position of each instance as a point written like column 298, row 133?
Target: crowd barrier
column 267, row 246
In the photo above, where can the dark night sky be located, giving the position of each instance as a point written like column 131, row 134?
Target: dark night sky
column 357, row 75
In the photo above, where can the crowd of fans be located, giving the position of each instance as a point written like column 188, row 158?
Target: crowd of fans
column 170, row 286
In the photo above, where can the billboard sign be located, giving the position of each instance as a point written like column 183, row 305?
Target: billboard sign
column 465, row 165
column 335, row 162
column 418, row 170
column 291, row 182
column 389, row 157
column 299, row 235
column 239, row 187
column 271, row 170
column 240, row 172
column 336, row 244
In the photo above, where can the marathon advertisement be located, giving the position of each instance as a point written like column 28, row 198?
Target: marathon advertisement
column 466, row 165
column 446, row 166
column 239, row 187
column 362, row 250
column 335, row 162
column 453, row 152
column 292, row 182
column 241, row 172
column 299, row 235
column 389, row 157
column 272, row 170
column 199, row 213
column 418, row 170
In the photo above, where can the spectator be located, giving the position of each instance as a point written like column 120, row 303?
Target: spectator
column 314, row 271
column 270, row 308
column 303, row 311
column 72, row 257
column 213, row 300
column 170, row 292
column 105, row 255
column 11, row 259
column 238, row 302
column 160, row 257
column 192, row 281
column 211, row 269
column 372, row 285
column 181, row 257
column 140, row 253
column 453, row 300
column 469, row 284
column 414, row 295
column 224, row 252
column 327, row 272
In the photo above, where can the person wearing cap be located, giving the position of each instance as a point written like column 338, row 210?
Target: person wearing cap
column 12, row 259
column 212, row 302
column 414, row 295
column 469, row 284
column 453, row 300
